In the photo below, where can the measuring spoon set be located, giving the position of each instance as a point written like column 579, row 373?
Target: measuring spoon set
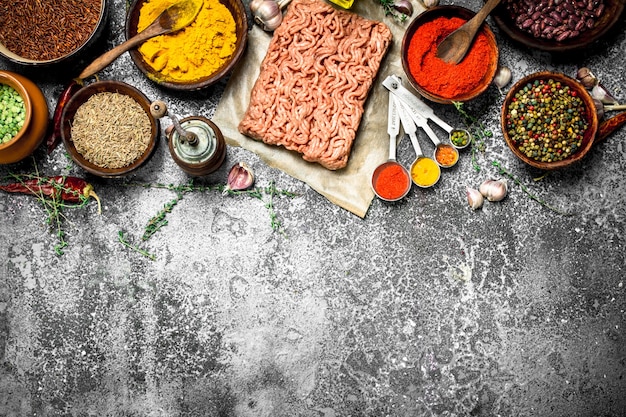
column 412, row 113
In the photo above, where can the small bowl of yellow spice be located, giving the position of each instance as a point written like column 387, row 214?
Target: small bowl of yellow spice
column 196, row 56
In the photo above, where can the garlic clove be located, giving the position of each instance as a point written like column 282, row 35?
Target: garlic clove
column 404, row 7
column 429, row 3
column 503, row 77
column 474, row 198
column 601, row 93
column 494, row 190
column 599, row 108
column 240, row 178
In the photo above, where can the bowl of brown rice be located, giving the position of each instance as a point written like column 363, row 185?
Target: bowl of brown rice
column 108, row 130
column 46, row 33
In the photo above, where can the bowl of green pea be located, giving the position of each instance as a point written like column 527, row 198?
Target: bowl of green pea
column 23, row 117
column 549, row 120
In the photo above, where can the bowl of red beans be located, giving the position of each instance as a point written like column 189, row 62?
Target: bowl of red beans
column 43, row 33
column 435, row 79
column 549, row 120
column 557, row 25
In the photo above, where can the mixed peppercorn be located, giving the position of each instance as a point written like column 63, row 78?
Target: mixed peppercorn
column 546, row 120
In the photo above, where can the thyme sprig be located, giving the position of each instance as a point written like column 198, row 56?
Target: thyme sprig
column 160, row 219
column 504, row 171
column 52, row 204
column 478, row 132
column 391, row 11
column 124, row 241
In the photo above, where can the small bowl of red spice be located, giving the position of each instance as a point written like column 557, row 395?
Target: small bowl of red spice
column 43, row 33
column 549, row 120
column 436, row 79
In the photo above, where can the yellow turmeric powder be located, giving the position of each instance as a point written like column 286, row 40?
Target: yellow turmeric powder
column 194, row 52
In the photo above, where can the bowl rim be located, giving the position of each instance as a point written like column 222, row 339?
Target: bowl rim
column 25, row 61
column 7, row 78
column 592, row 119
column 79, row 98
column 200, row 83
column 504, row 23
column 452, row 11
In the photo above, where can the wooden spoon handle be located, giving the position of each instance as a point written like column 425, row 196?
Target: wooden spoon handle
column 609, row 126
column 111, row 55
column 476, row 21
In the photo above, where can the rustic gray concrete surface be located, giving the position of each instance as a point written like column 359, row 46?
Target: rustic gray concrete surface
column 422, row 308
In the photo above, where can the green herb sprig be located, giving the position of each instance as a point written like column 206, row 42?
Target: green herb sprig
column 504, row 171
column 478, row 132
column 391, row 11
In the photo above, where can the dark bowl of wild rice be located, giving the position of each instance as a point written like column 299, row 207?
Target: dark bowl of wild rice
column 108, row 129
column 36, row 33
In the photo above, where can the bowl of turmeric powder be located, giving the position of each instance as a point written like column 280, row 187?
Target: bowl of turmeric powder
column 197, row 56
column 440, row 81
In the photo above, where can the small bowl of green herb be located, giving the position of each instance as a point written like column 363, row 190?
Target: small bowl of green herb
column 549, row 120
column 23, row 117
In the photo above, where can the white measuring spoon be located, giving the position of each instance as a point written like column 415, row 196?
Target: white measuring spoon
column 425, row 172
column 393, row 129
column 393, row 83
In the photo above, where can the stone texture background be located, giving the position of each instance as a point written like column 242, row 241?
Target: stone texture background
column 423, row 308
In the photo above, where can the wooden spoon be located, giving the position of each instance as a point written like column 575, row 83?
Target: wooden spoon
column 455, row 46
column 175, row 17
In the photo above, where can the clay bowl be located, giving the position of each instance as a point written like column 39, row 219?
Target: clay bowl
column 506, row 23
column 238, row 11
column 449, row 12
column 80, row 98
column 31, row 135
column 70, row 58
column 589, row 115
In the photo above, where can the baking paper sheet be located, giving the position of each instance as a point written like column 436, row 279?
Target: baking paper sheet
column 349, row 187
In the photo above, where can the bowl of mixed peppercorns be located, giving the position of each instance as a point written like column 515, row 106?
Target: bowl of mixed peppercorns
column 557, row 25
column 549, row 120
column 51, row 32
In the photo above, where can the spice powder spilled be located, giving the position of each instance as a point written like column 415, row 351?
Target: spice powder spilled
column 111, row 130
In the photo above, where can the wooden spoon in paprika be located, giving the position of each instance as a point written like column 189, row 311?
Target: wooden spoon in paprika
column 455, row 46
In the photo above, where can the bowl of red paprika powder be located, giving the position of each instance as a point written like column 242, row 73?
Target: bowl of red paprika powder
column 435, row 79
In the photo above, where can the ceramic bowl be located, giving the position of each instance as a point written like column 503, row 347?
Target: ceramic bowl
column 449, row 12
column 71, row 57
column 589, row 115
column 79, row 99
column 32, row 133
column 238, row 11
column 506, row 23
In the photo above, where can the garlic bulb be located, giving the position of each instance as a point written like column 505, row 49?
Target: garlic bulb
column 494, row 190
column 240, row 178
column 267, row 14
column 586, row 78
column 429, row 3
column 474, row 198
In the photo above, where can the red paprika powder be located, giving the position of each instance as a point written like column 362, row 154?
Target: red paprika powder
column 437, row 76
column 392, row 182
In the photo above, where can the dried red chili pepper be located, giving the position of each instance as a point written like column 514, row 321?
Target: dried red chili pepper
column 54, row 137
column 68, row 189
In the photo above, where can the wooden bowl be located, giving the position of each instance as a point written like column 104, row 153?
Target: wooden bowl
column 506, row 23
column 449, row 12
column 72, row 57
column 79, row 99
column 589, row 114
column 238, row 11
column 30, row 136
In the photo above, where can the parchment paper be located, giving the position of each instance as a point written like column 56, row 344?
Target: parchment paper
column 350, row 187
